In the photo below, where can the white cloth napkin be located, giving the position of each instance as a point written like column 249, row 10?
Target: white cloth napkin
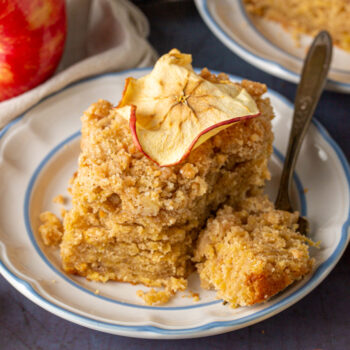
column 103, row 36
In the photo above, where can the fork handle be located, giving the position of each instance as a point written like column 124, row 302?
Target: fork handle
column 312, row 81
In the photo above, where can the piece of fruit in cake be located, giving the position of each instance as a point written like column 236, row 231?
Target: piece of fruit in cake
column 177, row 110
column 253, row 253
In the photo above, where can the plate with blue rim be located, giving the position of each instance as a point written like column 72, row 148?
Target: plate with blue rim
column 38, row 155
column 266, row 45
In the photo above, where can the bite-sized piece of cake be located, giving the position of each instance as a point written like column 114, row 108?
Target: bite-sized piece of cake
column 51, row 229
column 250, row 254
column 308, row 16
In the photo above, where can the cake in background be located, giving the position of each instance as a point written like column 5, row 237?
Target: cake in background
column 307, row 17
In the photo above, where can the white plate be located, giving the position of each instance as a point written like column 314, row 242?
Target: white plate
column 38, row 155
column 265, row 44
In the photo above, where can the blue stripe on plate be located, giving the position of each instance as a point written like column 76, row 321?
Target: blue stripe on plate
column 28, row 290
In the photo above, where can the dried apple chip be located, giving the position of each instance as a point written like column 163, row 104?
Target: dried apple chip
column 177, row 109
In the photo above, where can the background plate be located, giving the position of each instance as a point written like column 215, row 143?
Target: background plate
column 265, row 44
column 38, row 154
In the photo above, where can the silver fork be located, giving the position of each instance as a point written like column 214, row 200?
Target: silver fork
column 312, row 82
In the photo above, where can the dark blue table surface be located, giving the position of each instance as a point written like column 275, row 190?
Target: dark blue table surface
column 320, row 321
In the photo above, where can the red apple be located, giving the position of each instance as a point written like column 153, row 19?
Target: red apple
column 32, row 36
